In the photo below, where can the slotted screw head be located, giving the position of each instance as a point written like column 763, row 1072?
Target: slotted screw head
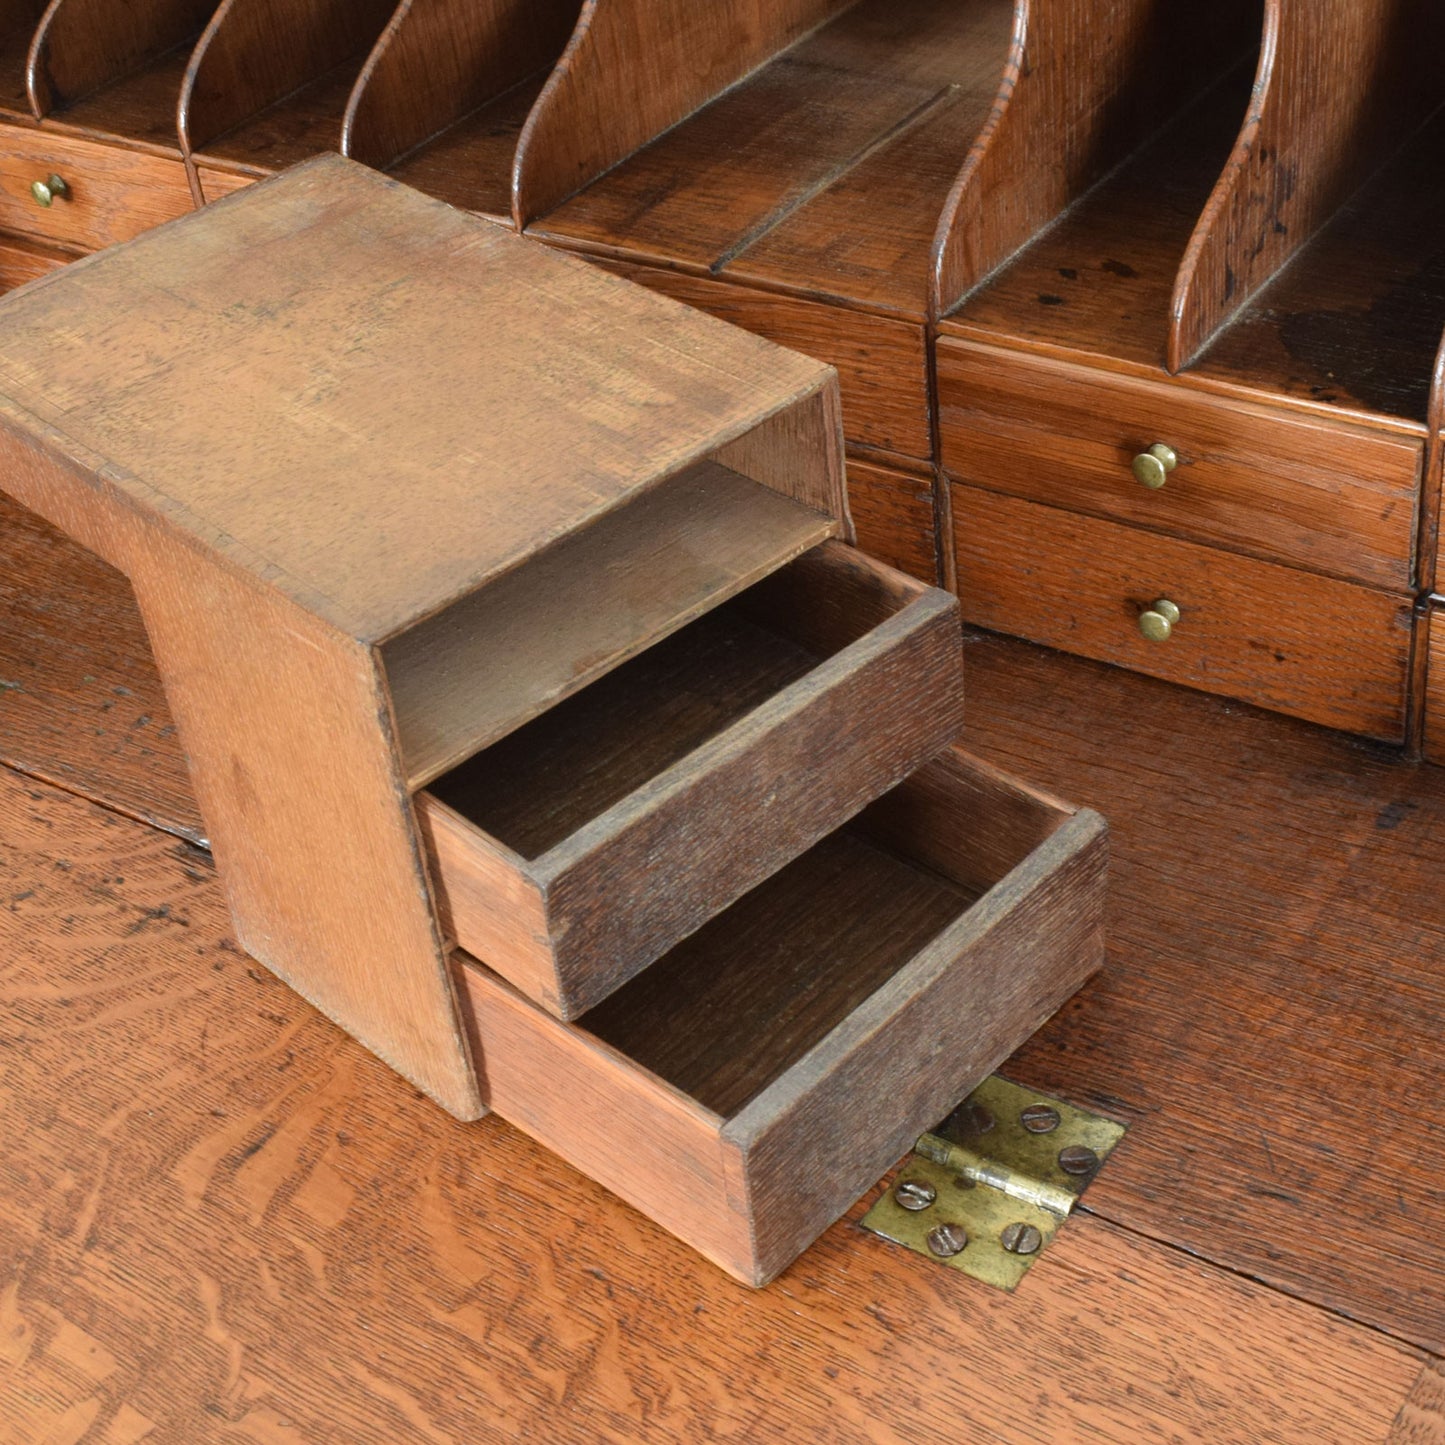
column 1021, row 1239
column 915, row 1194
column 1040, row 1119
column 1078, row 1159
column 947, row 1240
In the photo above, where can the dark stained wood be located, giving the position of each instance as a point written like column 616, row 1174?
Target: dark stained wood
column 269, row 81
column 1087, row 82
column 1099, row 282
column 1341, row 84
column 1355, row 320
column 222, row 1219
column 442, row 99
column 882, row 363
column 1325, row 496
column 134, row 49
column 632, row 70
column 18, row 19
column 556, row 851
column 1332, row 652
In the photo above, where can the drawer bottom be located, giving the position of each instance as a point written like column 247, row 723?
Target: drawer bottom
column 1328, row 651
column 748, row 1087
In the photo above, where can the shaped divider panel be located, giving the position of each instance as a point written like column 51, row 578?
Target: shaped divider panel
column 113, row 68
column 825, row 172
column 18, row 20
column 1342, row 83
column 1087, row 82
column 268, row 83
column 633, row 69
column 443, row 97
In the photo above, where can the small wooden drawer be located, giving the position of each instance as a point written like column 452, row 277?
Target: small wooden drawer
column 582, row 846
column 1432, row 639
column 1331, row 652
column 1316, row 494
column 110, row 194
column 749, row 1086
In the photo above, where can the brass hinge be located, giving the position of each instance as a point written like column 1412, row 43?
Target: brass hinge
column 988, row 1189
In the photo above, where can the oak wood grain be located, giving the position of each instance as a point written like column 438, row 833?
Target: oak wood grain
column 1331, row 652
column 1421, row 1420
column 633, row 70
column 114, row 195
column 652, row 800
column 893, row 516
column 882, row 363
column 1340, row 85
column 1275, row 919
column 1331, row 498
column 466, row 676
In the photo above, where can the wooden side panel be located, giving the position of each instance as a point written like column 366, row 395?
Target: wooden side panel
column 893, row 517
column 882, row 364
column 440, row 60
column 1432, row 643
column 744, row 805
column 254, row 52
column 1341, row 84
column 632, row 1133
column 812, row 1142
column 1330, row 652
column 633, row 69
column 1086, row 81
column 81, row 45
column 1323, row 495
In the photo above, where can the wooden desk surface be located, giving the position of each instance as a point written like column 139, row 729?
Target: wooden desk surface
column 221, row 1220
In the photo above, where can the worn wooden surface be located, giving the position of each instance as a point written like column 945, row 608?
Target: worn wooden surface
column 649, row 802
column 1324, row 496
column 1332, row 652
column 222, row 1220
column 1341, row 84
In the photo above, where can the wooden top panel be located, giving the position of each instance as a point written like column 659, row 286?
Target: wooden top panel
column 367, row 399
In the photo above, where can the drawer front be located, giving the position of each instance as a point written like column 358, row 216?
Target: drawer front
column 882, row 363
column 1432, row 637
column 216, row 182
column 112, row 194
column 1330, row 652
column 22, row 261
column 751, row 1186
column 893, row 517
column 1325, row 496
column 570, row 926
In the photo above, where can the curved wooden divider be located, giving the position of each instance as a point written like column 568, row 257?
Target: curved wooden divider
column 1341, row 85
column 632, row 70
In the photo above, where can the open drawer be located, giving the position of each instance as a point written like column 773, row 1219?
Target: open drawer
column 755, row 1081
column 576, row 850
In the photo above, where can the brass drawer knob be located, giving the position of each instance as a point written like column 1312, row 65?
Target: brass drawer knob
column 1152, row 468
column 1159, row 621
column 52, row 188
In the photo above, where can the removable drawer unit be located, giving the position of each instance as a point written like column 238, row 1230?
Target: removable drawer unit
column 1313, row 493
column 748, row 1087
column 579, row 848
column 108, row 194
column 1328, row 651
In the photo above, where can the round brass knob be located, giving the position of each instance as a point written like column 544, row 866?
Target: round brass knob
column 1152, row 468
column 52, row 188
column 1159, row 621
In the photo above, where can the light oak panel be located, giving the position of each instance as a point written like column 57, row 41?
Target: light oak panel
column 1331, row 652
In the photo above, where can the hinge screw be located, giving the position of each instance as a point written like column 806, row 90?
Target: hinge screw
column 1039, row 1119
column 1021, row 1239
column 947, row 1240
column 915, row 1194
column 1078, row 1159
